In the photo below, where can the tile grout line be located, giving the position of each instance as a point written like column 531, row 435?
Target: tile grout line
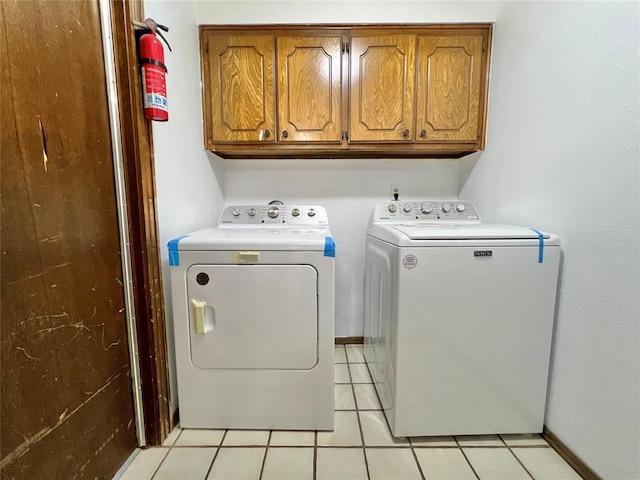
column 355, row 401
column 215, row 455
column 160, row 464
column 521, row 464
column 467, row 459
column 264, row 457
column 315, row 452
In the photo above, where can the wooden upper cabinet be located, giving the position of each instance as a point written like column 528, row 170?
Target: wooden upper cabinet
column 314, row 91
column 449, row 87
column 239, row 88
column 382, row 70
column 309, row 89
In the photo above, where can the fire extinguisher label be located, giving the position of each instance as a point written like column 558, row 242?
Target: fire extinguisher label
column 153, row 98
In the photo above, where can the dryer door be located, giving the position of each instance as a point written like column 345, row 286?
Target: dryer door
column 253, row 316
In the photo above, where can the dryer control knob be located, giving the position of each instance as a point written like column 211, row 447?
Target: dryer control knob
column 236, row 212
column 460, row 207
column 273, row 212
column 406, row 207
column 311, row 212
column 392, row 207
column 295, row 212
column 426, row 208
column 446, row 208
column 252, row 212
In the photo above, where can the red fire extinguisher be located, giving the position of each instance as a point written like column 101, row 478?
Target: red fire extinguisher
column 154, row 72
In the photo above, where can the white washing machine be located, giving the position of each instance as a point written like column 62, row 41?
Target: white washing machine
column 458, row 319
column 253, row 315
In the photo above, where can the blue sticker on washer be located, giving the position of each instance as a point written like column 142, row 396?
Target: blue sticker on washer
column 329, row 247
column 540, row 245
column 174, row 254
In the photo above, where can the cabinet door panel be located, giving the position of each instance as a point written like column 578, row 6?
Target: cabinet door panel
column 448, row 90
column 309, row 89
column 242, row 88
column 382, row 84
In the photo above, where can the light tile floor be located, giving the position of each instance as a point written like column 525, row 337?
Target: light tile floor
column 360, row 447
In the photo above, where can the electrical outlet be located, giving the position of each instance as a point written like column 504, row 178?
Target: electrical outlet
column 395, row 192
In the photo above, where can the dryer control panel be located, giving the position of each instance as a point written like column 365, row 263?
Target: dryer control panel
column 275, row 215
column 437, row 211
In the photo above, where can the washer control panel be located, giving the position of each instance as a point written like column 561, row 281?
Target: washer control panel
column 437, row 211
column 276, row 215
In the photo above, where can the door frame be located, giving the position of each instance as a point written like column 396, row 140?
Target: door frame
column 143, row 234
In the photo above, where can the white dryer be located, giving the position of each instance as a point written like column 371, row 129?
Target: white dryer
column 458, row 319
column 253, row 316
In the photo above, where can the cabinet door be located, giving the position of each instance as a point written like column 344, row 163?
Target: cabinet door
column 241, row 103
column 382, row 84
column 448, row 90
column 309, row 89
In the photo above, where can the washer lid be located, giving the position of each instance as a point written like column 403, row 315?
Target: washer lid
column 436, row 234
column 460, row 231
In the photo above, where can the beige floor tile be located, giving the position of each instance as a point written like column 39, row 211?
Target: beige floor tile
column 479, row 441
column 366, row 397
column 189, row 463
column 237, row 464
column 433, row 442
column 360, row 373
column 545, row 464
column 246, row 437
column 524, row 440
column 346, row 433
column 355, row 353
column 340, row 355
column 344, row 397
column 172, row 437
column 288, row 464
column 376, row 431
column 200, row 438
column 292, row 439
column 444, row 464
column 341, row 464
column 392, row 463
column 342, row 373
column 145, row 464
column 495, row 464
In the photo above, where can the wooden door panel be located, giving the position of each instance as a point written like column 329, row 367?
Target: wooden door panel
column 309, row 89
column 242, row 83
column 448, row 91
column 382, row 85
column 66, row 404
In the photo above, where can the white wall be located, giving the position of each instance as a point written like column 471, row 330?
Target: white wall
column 563, row 155
column 188, row 182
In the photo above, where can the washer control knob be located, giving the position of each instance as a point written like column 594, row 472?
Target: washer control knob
column 426, row 208
column 406, row 208
column 461, row 207
column 251, row 212
column 392, row 207
column 236, row 212
column 295, row 212
column 273, row 212
column 446, row 208
column 311, row 212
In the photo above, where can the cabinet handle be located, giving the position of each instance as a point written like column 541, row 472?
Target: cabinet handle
column 423, row 134
column 285, row 134
column 405, row 133
column 267, row 134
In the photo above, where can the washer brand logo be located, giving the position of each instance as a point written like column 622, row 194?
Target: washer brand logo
column 483, row 253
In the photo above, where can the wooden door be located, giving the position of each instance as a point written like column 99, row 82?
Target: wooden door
column 241, row 77
column 309, row 89
column 66, row 398
column 382, row 72
column 449, row 88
